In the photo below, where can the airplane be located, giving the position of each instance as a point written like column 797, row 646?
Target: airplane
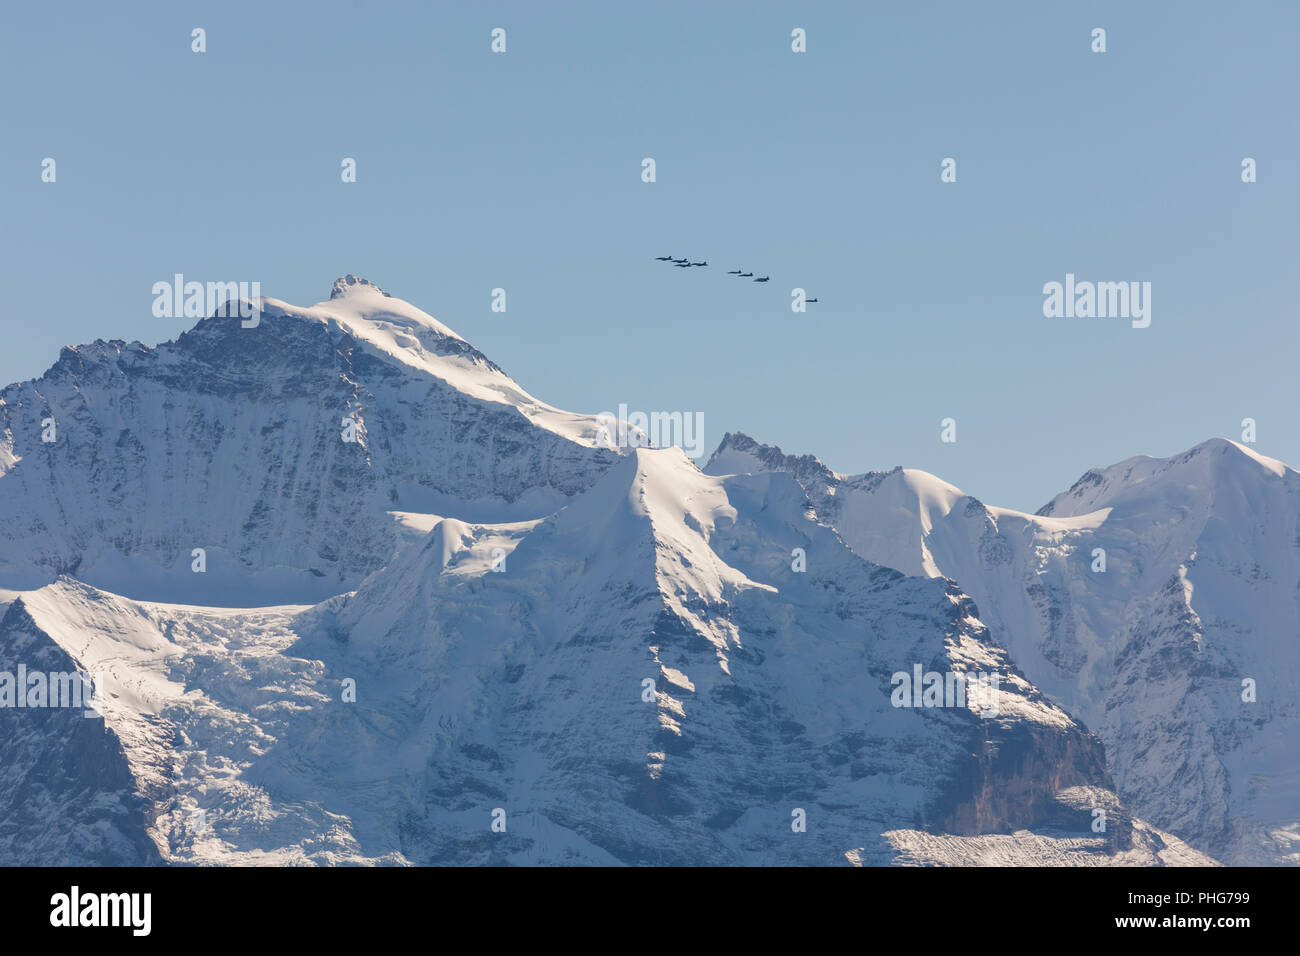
column 746, row 275
column 764, row 279
column 734, row 272
column 682, row 265
column 663, row 258
column 700, row 263
column 810, row 300
column 678, row 261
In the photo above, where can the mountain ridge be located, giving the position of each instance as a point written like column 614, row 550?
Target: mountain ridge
column 475, row 602
column 1147, row 600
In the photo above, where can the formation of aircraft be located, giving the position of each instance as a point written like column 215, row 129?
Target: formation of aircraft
column 685, row 263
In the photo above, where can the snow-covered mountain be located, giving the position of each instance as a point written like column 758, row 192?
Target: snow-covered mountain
column 647, row 680
column 443, row 622
column 1147, row 601
column 230, row 439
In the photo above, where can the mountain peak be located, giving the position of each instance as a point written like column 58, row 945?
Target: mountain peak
column 1206, row 465
column 1238, row 451
column 349, row 284
column 740, row 454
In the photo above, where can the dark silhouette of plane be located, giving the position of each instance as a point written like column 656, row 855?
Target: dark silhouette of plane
column 746, row 275
column 764, row 279
column 682, row 265
column 678, row 261
column 810, row 300
column 734, row 272
column 663, row 258
column 699, row 263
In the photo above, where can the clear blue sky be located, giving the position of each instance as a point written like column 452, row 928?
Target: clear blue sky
column 522, row 171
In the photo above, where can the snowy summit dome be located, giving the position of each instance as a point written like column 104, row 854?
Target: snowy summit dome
column 349, row 283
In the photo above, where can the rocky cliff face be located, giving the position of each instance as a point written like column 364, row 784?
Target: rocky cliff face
column 1017, row 779
column 232, row 440
column 66, row 786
